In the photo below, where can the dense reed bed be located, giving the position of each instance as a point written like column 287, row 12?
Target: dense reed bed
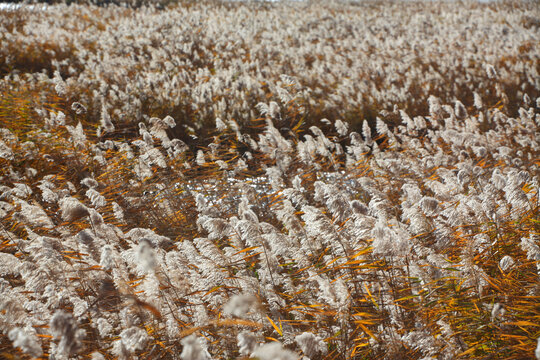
column 270, row 181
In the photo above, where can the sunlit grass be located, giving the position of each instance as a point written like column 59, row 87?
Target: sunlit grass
column 410, row 236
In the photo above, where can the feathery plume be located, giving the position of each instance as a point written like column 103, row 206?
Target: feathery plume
column 193, row 349
column 241, row 305
column 64, row 327
column 72, row 209
column 25, row 340
column 274, row 351
column 78, row 108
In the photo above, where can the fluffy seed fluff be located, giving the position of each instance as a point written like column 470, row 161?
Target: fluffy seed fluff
column 26, row 340
column 241, row 305
column 64, row 327
column 193, row 349
column 274, row 351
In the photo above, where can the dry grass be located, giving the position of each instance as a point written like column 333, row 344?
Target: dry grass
column 297, row 241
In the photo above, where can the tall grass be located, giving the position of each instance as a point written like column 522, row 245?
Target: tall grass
column 291, row 222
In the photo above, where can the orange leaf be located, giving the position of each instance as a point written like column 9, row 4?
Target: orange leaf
column 278, row 330
column 367, row 331
column 246, row 249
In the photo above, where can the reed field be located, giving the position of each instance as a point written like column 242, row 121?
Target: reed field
column 253, row 180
